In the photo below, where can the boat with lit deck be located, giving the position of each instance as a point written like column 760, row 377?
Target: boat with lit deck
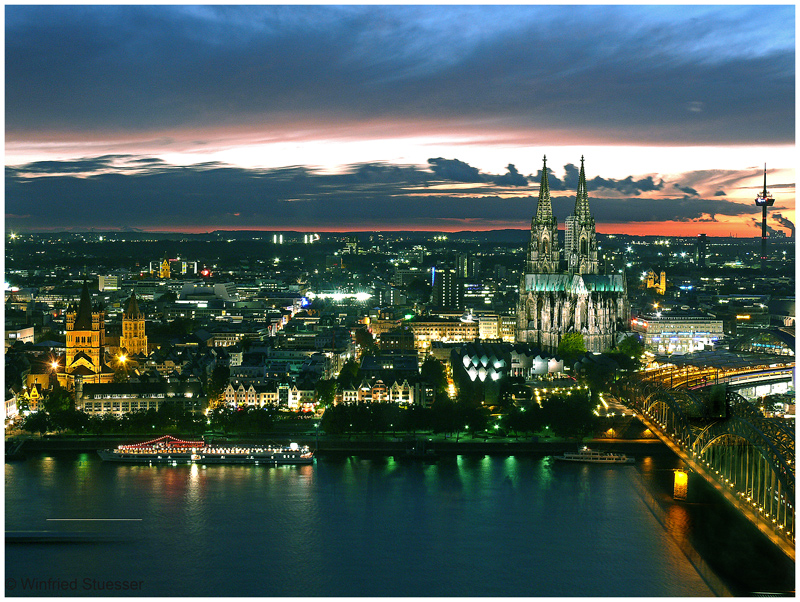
column 170, row 450
column 595, row 457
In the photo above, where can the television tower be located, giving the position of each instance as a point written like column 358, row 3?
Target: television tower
column 764, row 200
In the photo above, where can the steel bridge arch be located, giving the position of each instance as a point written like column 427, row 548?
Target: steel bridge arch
column 684, row 405
column 774, row 441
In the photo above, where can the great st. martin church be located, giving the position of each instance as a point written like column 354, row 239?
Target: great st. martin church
column 558, row 296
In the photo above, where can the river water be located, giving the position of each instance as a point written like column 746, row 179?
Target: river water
column 348, row 526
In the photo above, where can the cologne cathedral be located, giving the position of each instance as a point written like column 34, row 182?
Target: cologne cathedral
column 559, row 295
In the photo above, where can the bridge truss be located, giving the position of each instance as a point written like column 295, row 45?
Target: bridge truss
column 744, row 452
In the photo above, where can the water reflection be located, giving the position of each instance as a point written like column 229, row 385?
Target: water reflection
column 464, row 526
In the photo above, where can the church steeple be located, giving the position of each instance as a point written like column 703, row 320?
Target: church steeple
column 543, row 253
column 83, row 317
column 582, row 199
column 581, row 250
column 544, row 209
column 132, row 311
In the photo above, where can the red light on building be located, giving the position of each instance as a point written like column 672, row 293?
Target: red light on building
column 205, row 272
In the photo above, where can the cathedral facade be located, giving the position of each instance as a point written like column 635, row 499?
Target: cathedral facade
column 560, row 295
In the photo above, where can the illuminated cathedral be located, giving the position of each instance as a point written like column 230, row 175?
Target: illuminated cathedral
column 562, row 295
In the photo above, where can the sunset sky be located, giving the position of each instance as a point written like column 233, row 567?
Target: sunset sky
column 337, row 118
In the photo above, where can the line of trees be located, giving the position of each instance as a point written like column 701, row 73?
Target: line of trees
column 563, row 415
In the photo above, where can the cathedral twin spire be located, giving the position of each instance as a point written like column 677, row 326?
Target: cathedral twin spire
column 580, row 248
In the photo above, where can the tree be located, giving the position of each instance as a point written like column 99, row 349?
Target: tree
column 37, row 422
column 366, row 341
column 474, row 416
column 325, row 392
column 336, row 419
column 72, row 420
column 217, row 383
column 59, row 399
column 443, row 416
column 570, row 415
column 434, row 372
column 348, row 375
column 571, row 347
column 632, row 347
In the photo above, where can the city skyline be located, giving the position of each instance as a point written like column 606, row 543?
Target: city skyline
column 324, row 118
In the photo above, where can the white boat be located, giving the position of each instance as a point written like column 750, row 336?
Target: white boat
column 595, row 457
column 170, row 450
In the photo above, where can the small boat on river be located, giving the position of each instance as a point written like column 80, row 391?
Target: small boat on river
column 595, row 457
column 170, row 450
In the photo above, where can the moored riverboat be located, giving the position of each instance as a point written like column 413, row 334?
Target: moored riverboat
column 170, row 450
column 595, row 457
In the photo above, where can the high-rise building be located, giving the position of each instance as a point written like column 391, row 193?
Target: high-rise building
column 467, row 265
column 553, row 302
column 445, row 288
column 701, row 251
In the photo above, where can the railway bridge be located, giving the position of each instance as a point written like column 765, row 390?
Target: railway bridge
column 723, row 437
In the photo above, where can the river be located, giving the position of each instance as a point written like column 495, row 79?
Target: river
column 354, row 525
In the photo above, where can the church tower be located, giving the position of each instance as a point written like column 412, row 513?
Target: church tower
column 86, row 335
column 582, row 251
column 163, row 271
column 133, row 339
column 543, row 252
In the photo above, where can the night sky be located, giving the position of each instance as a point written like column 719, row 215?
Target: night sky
column 197, row 118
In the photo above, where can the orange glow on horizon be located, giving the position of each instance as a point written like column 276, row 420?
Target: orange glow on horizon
column 670, row 228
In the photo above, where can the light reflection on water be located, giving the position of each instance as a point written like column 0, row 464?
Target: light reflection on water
column 465, row 526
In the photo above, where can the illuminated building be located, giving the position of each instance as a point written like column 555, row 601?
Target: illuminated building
column 351, row 246
column 467, row 266
column 85, row 343
column 376, row 391
column 23, row 334
column 428, row 330
column 557, row 298
column 678, row 331
column 483, row 367
column 133, row 340
column 398, row 339
column 108, row 282
column 445, row 288
column 657, row 280
column 121, row 398
column 164, row 270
